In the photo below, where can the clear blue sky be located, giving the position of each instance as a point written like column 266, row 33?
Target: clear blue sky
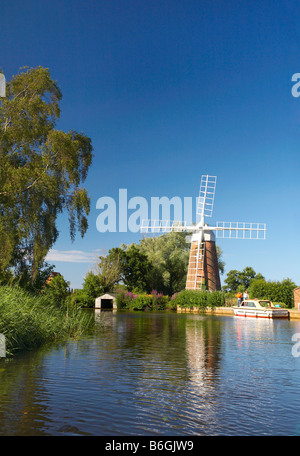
column 169, row 90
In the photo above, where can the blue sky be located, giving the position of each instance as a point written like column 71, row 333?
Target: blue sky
column 169, row 90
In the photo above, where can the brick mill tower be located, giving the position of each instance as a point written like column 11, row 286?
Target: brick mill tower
column 203, row 270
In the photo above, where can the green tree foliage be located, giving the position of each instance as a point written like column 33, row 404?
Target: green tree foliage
column 41, row 171
column 135, row 267
column 169, row 256
column 125, row 264
column 273, row 290
column 56, row 291
column 221, row 263
column 108, row 269
column 158, row 263
column 22, row 275
column 240, row 280
column 91, row 289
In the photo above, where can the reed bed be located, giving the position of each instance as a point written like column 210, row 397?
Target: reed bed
column 28, row 321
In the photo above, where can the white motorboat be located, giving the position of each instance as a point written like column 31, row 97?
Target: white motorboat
column 259, row 308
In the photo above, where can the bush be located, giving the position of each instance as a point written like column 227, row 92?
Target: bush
column 215, row 299
column 79, row 298
column 125, row 299
column 274, row 291
column 56, row 291
column 159, row 301
column 91, row 290
column 141, row 302
column 131, row 301
column 199, row 299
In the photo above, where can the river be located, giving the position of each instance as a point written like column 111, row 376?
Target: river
column 151, row 374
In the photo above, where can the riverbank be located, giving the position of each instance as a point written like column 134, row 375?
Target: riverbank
column 293, row 313
column 28, row 321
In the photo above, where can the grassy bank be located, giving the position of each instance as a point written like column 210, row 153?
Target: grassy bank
column 28, row 321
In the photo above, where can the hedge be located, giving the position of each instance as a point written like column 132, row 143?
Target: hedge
column 200, row 299
column 274, row 291
column 131, row 301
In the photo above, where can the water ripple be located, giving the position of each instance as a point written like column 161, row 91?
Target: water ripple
column 158, row 374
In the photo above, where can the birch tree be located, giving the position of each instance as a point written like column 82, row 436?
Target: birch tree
column 41, row 170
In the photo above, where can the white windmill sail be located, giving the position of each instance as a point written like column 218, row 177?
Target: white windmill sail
column 206, row 196
column 240, row 230
column 162, row 226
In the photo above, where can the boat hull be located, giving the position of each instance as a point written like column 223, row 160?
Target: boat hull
column 260, row 313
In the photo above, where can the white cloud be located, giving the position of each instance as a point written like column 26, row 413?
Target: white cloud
column 71, row 256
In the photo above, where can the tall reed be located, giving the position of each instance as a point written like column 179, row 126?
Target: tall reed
column 28, row 321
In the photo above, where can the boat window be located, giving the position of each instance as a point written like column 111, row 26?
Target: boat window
column 264, row 303
column 250, row 304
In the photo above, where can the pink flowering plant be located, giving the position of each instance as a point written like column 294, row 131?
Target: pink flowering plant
column 142, row 301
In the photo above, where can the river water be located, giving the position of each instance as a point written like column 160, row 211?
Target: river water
column 151, row 374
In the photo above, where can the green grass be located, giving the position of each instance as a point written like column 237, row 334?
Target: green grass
column 28, row 321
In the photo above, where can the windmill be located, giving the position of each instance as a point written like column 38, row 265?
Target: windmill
column 203, row 271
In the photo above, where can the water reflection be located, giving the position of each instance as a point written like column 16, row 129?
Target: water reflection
column 23, row 395
column 254, row 329
column 157, row 373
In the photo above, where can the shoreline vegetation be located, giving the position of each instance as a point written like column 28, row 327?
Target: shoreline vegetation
column 157, row 301
column 29, row 321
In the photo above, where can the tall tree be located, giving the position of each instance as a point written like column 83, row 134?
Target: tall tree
column 221, row 263
column 169, row 255
column 135, row 267
column 91, row 288
column 56, row 290
column 240, row 280
column 41, row 170
column 108, row 270
column 158, row 263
